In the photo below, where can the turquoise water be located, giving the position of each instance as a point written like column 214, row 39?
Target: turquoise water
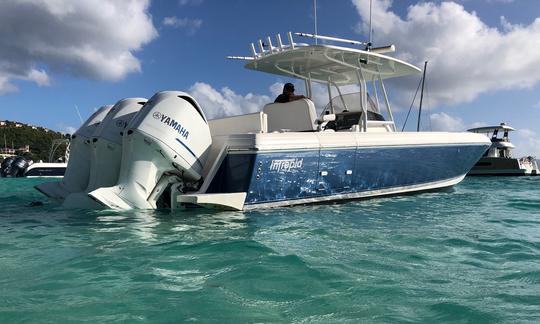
column 467, row 255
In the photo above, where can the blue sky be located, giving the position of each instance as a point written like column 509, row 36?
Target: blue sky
column 54, row 55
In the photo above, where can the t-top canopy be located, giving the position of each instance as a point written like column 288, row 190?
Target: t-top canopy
column 322, row 63
column 488, row 129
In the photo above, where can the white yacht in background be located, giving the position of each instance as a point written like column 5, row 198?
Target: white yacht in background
column 498, row 160
column 51, row 169
column 285, row 154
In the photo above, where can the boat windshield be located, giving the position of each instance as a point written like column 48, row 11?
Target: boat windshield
column 348, row 103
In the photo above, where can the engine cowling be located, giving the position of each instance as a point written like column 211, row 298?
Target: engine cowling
column 169, row 137
column 106, row 151
column 78, row 167
column 6, row 166
column 14, row 167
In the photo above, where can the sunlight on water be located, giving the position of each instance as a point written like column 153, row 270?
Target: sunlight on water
column 468, row 254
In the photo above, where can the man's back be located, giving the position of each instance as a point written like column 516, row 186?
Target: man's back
column 282, row 98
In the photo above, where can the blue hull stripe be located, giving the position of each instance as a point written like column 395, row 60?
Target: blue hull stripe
column 190, row 151
column 283, row 176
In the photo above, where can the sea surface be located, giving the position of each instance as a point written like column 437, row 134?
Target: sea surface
column 466, row 255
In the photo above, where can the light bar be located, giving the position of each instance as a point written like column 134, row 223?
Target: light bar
column 245, row 58
column 384, row 49
column 334, row 39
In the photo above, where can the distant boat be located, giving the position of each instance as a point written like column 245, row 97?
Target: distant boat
column 16, row 167
column 46, row 169
column 498, row 160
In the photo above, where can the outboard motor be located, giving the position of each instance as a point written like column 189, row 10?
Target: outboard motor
column 106, row 151
column 18, row 167
column 78, row 168
column 6, row 165
column 167, row 141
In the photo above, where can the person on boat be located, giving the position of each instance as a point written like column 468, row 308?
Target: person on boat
column 288, row 94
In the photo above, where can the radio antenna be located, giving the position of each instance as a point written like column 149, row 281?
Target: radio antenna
column 315, row 18
column 79, row 113
column 370, row 30
column 421, row 96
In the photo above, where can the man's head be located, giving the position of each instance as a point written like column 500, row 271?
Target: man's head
column 288, row 88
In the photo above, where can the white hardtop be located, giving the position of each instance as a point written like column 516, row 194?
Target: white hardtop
column 322, row 63
column 336, row 66
column 487, row 129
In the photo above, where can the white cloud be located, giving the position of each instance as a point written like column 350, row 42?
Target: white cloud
column 478, row 124
column 527, row 143
column 92, row 39
column 5, row 84
column 189, row 2
column 39, row 76
column 537, row 105
column 466, row 56
column 69, row 130
column 319, row 92
column 277, row 88
column 444, row 122
column 191, row 25
column 225, row 102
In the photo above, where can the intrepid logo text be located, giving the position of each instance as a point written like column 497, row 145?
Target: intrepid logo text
column 172, row 123
column 286, row 165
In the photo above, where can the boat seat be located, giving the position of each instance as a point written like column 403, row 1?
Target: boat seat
column 249, row 123
column 295, row 116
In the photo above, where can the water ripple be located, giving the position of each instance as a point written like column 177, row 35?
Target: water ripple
column 465, row 255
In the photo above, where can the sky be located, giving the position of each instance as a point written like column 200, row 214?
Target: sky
column 57, row 56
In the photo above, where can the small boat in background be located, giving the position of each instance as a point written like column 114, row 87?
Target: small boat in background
column 19, row 166
column 498, row 160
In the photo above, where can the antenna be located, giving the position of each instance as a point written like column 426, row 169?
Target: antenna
column 421, row 96
column 370, row 30
column 79, row 113
column 315, row 16
column 334, row 39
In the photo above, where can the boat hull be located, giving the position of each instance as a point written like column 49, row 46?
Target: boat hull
column 50, row 170
column 302, row 176
column 499, row 166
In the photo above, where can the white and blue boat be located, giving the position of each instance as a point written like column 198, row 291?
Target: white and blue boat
column 286, row 154
column 498, row 159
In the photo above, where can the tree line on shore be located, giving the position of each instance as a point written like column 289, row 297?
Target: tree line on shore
column 17, row 135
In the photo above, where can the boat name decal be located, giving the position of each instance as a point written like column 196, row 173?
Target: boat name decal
column 171, row 123
column 286, row 165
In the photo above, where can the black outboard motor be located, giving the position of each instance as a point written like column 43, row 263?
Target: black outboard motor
column 6, row 165
column 17, row 167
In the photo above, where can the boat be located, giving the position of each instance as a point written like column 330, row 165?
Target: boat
column 286, row 154
column 498, row 160
column 51, row 169
column 19, row 166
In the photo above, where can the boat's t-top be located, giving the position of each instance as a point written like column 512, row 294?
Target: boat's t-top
column 335, row 66
column 501, row 145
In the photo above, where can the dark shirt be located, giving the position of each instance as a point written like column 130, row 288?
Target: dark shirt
column 282, row 98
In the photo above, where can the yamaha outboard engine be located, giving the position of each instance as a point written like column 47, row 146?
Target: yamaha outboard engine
column 167, row 141
column 18, row 167
column 78, row 168
column 6, row 165
column 106, row 151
